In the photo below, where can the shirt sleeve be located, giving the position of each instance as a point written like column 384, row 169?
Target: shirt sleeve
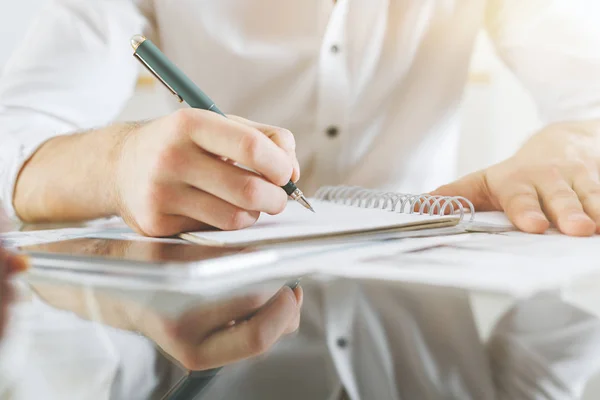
column 553, row 47
column 74, row 70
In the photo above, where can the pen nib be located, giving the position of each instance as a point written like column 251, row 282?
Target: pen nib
column 302, row 200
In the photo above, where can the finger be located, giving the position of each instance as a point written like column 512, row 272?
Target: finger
column 201, row 206
column 17, row 263
column 472, row 187
column 280, row 136
column 194, row 325
column 249, row 339
column 241, row 143
column 561, row 204
column 7, row 294
column 588, row 191
column 168, row 225
column 521, row 204
column 295, row 323
column 236, row 186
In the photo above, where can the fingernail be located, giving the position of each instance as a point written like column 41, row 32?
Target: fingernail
column 293, row 284
column 535, row 215
column 576, row 217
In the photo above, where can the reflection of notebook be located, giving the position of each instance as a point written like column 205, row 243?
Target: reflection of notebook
column 344, row 212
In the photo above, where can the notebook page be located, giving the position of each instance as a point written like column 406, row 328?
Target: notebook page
column 490, row 222
column 329, row 219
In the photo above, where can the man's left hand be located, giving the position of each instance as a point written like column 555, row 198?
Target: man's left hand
column 553, row 179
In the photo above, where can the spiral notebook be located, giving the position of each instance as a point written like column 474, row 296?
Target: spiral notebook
column 344, row 212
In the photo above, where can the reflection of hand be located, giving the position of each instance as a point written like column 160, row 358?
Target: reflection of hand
column 204, row 337
column 9, row 265
column 212, row 336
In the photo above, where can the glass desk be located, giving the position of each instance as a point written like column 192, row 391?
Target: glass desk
column 82, row 340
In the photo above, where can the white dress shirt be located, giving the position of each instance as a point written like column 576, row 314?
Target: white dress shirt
column 370, row 88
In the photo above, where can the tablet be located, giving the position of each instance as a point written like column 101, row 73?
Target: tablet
column 144, row 258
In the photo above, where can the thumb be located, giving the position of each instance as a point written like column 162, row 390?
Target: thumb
column 473, row 187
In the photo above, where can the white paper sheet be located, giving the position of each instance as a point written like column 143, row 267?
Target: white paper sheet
column 330, row 218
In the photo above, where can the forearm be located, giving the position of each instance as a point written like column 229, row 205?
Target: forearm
column 110, row 309
column 70, row 178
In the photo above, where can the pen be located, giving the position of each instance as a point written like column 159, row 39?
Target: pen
column 185, row 90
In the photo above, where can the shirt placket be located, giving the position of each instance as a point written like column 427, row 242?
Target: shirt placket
column 333, row 96
column 340, row 302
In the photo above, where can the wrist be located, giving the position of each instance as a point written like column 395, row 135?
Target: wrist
column 121, row 135
column 72, row 177
column 28, row 203
column 116, row 180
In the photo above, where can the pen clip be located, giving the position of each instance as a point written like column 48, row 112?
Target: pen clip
column 153, row 72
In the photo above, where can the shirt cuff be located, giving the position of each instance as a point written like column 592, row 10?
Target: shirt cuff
column 22, row 132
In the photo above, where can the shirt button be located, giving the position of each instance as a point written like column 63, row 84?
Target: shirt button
column 342, row 342
column 335, row 49
column 332, row 131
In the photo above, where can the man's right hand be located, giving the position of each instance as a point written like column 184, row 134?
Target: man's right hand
column 167, row 176
column 207, row 335
column 171, row 175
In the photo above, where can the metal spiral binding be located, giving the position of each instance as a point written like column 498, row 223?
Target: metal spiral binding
column 397, row 202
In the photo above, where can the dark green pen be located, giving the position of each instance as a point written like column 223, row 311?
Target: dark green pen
column 185, row 90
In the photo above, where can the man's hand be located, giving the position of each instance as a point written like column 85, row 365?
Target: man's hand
column 553, row 178
column 220, row 334
column 208, row 335
column 163, row 177
column 10, row 264
column 171, row 175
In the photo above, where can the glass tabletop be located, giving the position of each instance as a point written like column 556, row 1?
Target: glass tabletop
column 85, row 339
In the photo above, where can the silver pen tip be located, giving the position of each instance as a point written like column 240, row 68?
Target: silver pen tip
column 136, row 40
column 302, row 200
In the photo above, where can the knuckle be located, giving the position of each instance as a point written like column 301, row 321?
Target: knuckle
column 594, row 191
column 286, row 137
column 184, row 119
column 238, row 219
column 590, row 194
column 562, row 194
column 159, row 198
column 250, row 144
column 550, row 169
column 251, row 190
column 578, row 166
column 515, row 175
column 170, row 159
column 259, row 340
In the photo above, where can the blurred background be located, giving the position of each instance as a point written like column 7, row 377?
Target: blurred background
column 497, row 114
